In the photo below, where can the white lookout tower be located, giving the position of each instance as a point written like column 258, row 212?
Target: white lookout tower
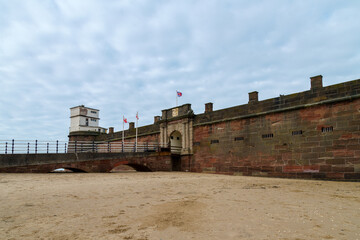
column 85, row 119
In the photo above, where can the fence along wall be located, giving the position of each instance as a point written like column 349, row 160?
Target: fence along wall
column 313, row 134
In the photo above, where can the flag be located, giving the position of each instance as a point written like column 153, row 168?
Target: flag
column 179, row 94
column 125, row 120
column 137, row 116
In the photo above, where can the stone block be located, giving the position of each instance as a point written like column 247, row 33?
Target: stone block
column 325, row 168
column 292, row 169
column 357, row 168
column 335, row 175
column 309, row 156
column 311, row 168
column 335, row 161
column 318, row 175
column 352, row 176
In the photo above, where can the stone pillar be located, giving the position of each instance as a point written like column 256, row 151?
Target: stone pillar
column 316, row 82
column 156, row 119
column 191, row 136
column 184, row 136
column 253, row 97
column 163, row 139
column 111, row 130
column 131, row 125
column 208, row 107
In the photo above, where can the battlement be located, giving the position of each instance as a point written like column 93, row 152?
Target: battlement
column 316, row 95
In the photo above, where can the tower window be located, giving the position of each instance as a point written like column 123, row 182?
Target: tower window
column 239, row 139
column 214, row 141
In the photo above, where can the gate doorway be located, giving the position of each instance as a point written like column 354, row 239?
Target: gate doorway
column 175, row 162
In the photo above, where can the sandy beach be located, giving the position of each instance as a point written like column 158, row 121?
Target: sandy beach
column 175, row 206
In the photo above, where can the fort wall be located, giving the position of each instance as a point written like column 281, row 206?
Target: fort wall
column 315, row 142
column 311, row 134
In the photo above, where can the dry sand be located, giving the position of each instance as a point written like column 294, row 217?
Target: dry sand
column 175, row 206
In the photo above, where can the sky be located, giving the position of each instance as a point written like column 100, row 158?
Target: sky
column 128, row 56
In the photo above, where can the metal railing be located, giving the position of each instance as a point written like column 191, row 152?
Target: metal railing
column 37, row 147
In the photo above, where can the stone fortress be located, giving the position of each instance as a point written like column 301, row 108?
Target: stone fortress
column 311, row 134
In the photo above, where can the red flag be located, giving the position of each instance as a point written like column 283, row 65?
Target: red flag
column 125, row 120
column 137, row 116
column 179, row 94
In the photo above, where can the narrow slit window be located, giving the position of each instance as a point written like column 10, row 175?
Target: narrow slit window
column 269, row 135
column 327, row 129
column 239, row 139
column 214, row 141
column 298, row 132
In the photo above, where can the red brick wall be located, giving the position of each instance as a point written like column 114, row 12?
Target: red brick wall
column 316, row 153
column 152, row 162
column 88, row 138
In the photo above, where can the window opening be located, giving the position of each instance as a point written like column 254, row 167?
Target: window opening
column 269, row 135
column 239, row 139
column 327, row 129
column 298, row 132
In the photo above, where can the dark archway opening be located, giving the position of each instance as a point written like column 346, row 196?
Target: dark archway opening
column 68, row 170
column 128, row 168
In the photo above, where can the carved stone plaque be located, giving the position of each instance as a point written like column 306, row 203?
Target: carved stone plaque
column 175, row 112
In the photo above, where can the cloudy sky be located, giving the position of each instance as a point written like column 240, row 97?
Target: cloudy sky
column 126, row 56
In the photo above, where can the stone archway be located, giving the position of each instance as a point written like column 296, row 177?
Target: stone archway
column 178, row 120
column 175, row 142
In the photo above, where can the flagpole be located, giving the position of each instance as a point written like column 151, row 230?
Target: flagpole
column 177, row 98
column 136, row 142
column 123, row 136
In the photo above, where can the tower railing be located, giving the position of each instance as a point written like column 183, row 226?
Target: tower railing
column 46, row 147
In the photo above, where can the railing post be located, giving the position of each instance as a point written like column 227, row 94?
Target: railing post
column 122, row 146
column 93, row 146
column 81, row 147
column 65, row 148
column 109, row 150
column 47, row 148
column 35, row 146
column 6, row 148
column 147, row 146
column 12, row 146
column 57, row 146
column 75, row 146
column 28, row 148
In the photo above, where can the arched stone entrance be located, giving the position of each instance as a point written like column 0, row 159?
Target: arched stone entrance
column 176, row 129
column 175, row 142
